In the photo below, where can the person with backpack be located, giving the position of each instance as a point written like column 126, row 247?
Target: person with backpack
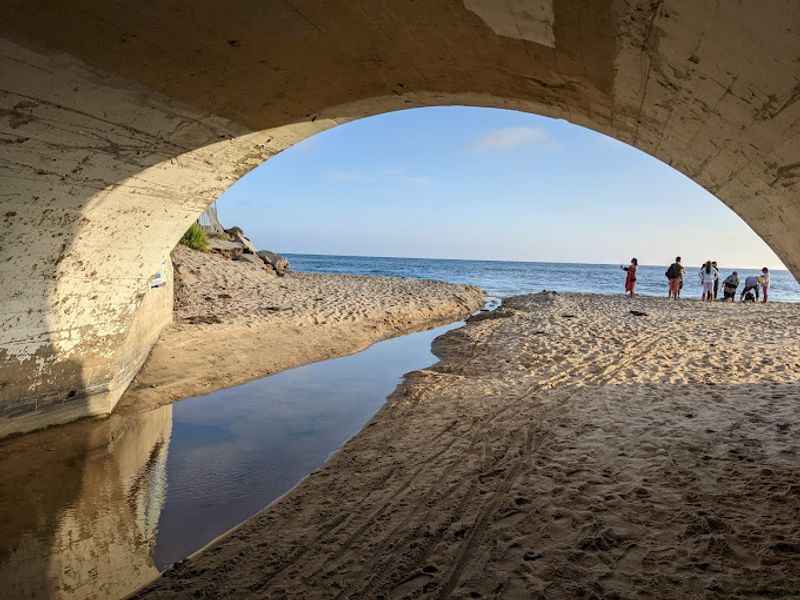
column 675, row 278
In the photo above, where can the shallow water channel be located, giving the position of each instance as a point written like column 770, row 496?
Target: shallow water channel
column 97, row 509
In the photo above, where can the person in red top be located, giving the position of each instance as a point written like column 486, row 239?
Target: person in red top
column 630, row 278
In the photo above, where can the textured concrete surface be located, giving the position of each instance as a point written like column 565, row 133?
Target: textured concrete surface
column 119, row 123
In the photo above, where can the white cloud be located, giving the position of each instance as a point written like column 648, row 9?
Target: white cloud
column 507, row 138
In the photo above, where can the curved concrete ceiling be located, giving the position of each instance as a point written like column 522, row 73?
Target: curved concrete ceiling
column 120, row 123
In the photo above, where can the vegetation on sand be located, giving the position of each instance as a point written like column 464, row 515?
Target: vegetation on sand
column 195, row 238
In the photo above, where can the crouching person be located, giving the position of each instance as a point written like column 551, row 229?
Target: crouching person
column 729, row 287
column 751, row 285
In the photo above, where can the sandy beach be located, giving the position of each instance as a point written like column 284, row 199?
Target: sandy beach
column 562, row 448
column 234, row 322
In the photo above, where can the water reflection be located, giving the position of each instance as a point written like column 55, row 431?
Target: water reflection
column 236, row 450
column 79, row 508
column 94, row 510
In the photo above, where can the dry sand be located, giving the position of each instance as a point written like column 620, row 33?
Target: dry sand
column 236, row 322
column 562, row 449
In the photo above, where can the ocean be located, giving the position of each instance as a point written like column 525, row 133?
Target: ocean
column 501, row 279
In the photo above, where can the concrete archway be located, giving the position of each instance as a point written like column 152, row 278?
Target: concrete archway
column 118, row 125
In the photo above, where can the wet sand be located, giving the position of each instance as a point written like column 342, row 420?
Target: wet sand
column 234, row 322
column 562, row 448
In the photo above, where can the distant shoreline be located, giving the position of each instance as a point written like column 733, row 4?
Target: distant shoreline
column 523, row 262
column 504, row 279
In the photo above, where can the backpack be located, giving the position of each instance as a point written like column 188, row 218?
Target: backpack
column 671, row 274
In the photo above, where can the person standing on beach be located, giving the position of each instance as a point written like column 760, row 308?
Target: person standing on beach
column 675, row 278
column 764, row 282
column 707, row 281
column 716, row 279
column 630, row 278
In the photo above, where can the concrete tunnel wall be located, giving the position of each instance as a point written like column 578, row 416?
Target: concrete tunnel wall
column 120, row 124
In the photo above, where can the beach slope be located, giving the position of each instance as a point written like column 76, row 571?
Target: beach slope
column 564, row 447
column 235, row 322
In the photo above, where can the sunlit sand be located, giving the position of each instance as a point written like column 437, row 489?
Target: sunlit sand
column 235, row 323
column 563, row 447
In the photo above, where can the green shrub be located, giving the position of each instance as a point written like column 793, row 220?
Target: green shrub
column 195, row 238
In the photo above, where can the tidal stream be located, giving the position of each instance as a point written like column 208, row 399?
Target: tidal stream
column 97, row 509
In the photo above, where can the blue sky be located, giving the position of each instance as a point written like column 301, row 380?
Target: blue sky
column 476, row 183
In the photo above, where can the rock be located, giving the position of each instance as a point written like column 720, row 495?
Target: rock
column 529, row 556
column 256, row 260
column 237, row 235
column 227, row 248
column 785, row 547
column 278, row 262
column 640, row 313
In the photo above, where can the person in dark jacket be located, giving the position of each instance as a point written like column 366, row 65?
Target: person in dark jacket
column 751, row 285
column 729, row 287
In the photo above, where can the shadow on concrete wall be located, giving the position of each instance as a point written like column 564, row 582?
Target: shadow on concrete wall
column 68, row 298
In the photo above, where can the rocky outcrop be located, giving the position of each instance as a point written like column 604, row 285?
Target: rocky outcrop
column 279, row 263
column 234, row 244
column 237, row 235
column 256, row 260
column 230, row 262
column 226, row 248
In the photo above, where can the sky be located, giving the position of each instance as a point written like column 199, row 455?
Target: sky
column 477, row 183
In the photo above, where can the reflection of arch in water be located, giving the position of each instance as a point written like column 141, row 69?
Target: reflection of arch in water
column 120, row 129
column 97, row 543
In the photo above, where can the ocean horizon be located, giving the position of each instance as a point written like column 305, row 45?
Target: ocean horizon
column 491, row 260
column 503, row 278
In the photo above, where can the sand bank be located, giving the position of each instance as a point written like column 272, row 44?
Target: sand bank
column 563, row 449
column 235, row 322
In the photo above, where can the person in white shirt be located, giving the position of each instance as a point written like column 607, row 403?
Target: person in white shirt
column 707, row 277
column 716, row 279
column 764, row 282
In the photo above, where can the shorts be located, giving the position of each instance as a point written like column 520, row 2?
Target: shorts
column 675, row 285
